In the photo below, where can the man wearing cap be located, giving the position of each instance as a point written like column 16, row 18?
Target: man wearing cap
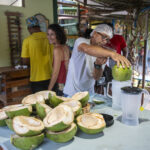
column 37, row 53
column 88, row 57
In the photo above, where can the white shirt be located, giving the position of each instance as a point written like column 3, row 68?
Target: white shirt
column 79, row 77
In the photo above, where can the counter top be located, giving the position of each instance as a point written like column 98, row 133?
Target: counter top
column 9, row 69
column 116, row 137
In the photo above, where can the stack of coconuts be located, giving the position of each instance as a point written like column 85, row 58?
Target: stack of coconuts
column 46, row 114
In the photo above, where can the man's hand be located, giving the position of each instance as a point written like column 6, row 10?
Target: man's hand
column 120, row 60
column 101, row 60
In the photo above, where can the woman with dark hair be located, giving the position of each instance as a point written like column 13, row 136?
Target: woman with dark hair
column 57, row 37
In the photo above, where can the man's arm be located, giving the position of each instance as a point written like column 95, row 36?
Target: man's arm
column 98, row 71
column 25, row 53
column 98, row 51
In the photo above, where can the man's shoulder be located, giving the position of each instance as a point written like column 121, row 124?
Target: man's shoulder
column 82, row 40
column 28, row 38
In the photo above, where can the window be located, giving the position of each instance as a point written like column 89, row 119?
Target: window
column 18, row 3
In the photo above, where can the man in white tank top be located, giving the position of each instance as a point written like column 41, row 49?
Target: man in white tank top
column 88, row 59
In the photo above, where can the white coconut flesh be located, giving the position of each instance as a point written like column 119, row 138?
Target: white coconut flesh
column 23, row 124
column 79, row 95
column 33, row 98
column 46, row 107
column 15, row 108
column 91, row 120
column 61, row 113
column 3, row 115
column 45, row 93
column 74, row 104
column 64, row 131
column 63, row 98
column 12, row 106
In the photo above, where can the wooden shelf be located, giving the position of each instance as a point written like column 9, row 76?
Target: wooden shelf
column 14, row 32
column 67, row 4
column 70, row 16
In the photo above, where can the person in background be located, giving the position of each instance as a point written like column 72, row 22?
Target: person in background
column 82, row 27
column 118, row 43
column 87, row 33
column 88, row 57
column 37, row 53
column 57, row 37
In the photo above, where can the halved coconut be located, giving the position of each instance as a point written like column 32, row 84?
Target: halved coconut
column 51, row 94
column 42, row 110
column 3, row 117
column 27, row 126
column 9, row 123
column 46, row 94
column 18, row 110
column 75, row 105
column 83, row 97
column 91, row 123
column 27, row 143
column 32, row 99
column 63, row 136
column 59, row 118
column 56, row 100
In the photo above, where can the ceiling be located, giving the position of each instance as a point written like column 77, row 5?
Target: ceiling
column 115, row 9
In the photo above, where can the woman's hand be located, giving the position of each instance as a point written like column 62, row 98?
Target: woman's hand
column 120, row 60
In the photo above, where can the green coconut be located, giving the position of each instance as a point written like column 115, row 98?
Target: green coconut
column 3, row 117
column 59, row 118
column 27, row 126
column 51, row 94
column 121, row 74
column 75, row 105
column 18, row 110
column 32, row 99
column 2, row 123
column 83, row 97
column 62, row 136
column 56, row 100
column 42, row 110
column 27, row 143
column 91, row 123
column 9, row 123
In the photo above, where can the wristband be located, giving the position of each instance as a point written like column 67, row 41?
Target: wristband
column 97, row 66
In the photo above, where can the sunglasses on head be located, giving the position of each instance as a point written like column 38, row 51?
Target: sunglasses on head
column 104, row 37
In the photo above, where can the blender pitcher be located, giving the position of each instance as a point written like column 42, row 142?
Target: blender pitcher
column 131, row 103
column 116, row 92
